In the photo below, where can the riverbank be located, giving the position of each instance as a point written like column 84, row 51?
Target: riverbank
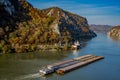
column 32, row 47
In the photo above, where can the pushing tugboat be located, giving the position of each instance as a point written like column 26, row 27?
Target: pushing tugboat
column 45, row 71
column 76, row 45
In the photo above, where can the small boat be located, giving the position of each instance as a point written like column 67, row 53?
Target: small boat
column 76, row 45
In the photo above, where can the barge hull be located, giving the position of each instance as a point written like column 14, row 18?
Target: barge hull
column 80, row 64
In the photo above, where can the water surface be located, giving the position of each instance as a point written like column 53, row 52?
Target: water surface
column 26, row 66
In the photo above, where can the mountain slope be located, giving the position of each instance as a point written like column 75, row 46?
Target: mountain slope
column 75, row 25
column 11, row 13
column 114, row 33
column 24, row 28
column 100, row 28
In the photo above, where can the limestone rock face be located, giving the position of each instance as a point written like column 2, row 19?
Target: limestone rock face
column 76, row 26
column 114, row 33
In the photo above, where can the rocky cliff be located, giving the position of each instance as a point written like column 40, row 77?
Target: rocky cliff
column 114, row 33
column 24, row 28
column 69, row 24
column 12, row 12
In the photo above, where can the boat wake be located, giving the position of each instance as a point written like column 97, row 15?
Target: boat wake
column 30, row 76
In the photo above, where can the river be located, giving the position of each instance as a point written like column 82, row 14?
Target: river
column 25, row 66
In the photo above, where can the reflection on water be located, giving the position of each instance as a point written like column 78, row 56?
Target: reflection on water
column 75, row 53
column 115, row 39
column 26, row 66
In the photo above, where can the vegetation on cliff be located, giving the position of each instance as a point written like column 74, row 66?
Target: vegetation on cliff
column 114, row 33
column 25, row 28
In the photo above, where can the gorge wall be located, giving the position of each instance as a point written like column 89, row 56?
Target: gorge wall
column 23, row 27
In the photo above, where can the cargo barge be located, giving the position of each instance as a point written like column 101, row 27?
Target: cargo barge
column 69, row 65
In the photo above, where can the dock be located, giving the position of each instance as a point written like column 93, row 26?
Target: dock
column 69, row 65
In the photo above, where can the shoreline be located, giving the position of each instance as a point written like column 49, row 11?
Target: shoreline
column 31, row 48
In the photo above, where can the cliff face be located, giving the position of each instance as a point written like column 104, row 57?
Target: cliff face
column 12, row 12
column 23, row 27
column 114, row 33
column 70, row 24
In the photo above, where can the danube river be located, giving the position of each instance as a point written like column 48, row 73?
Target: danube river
column 26, row 66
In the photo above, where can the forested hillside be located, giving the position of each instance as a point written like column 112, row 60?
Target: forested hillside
column 24, row 28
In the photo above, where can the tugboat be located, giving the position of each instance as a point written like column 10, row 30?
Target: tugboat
column 45, row 71
column 76, row 45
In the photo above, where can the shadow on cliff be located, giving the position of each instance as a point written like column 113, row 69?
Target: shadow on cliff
column 9, row 20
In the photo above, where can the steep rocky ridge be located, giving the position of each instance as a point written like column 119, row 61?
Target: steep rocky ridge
column 76, row 26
